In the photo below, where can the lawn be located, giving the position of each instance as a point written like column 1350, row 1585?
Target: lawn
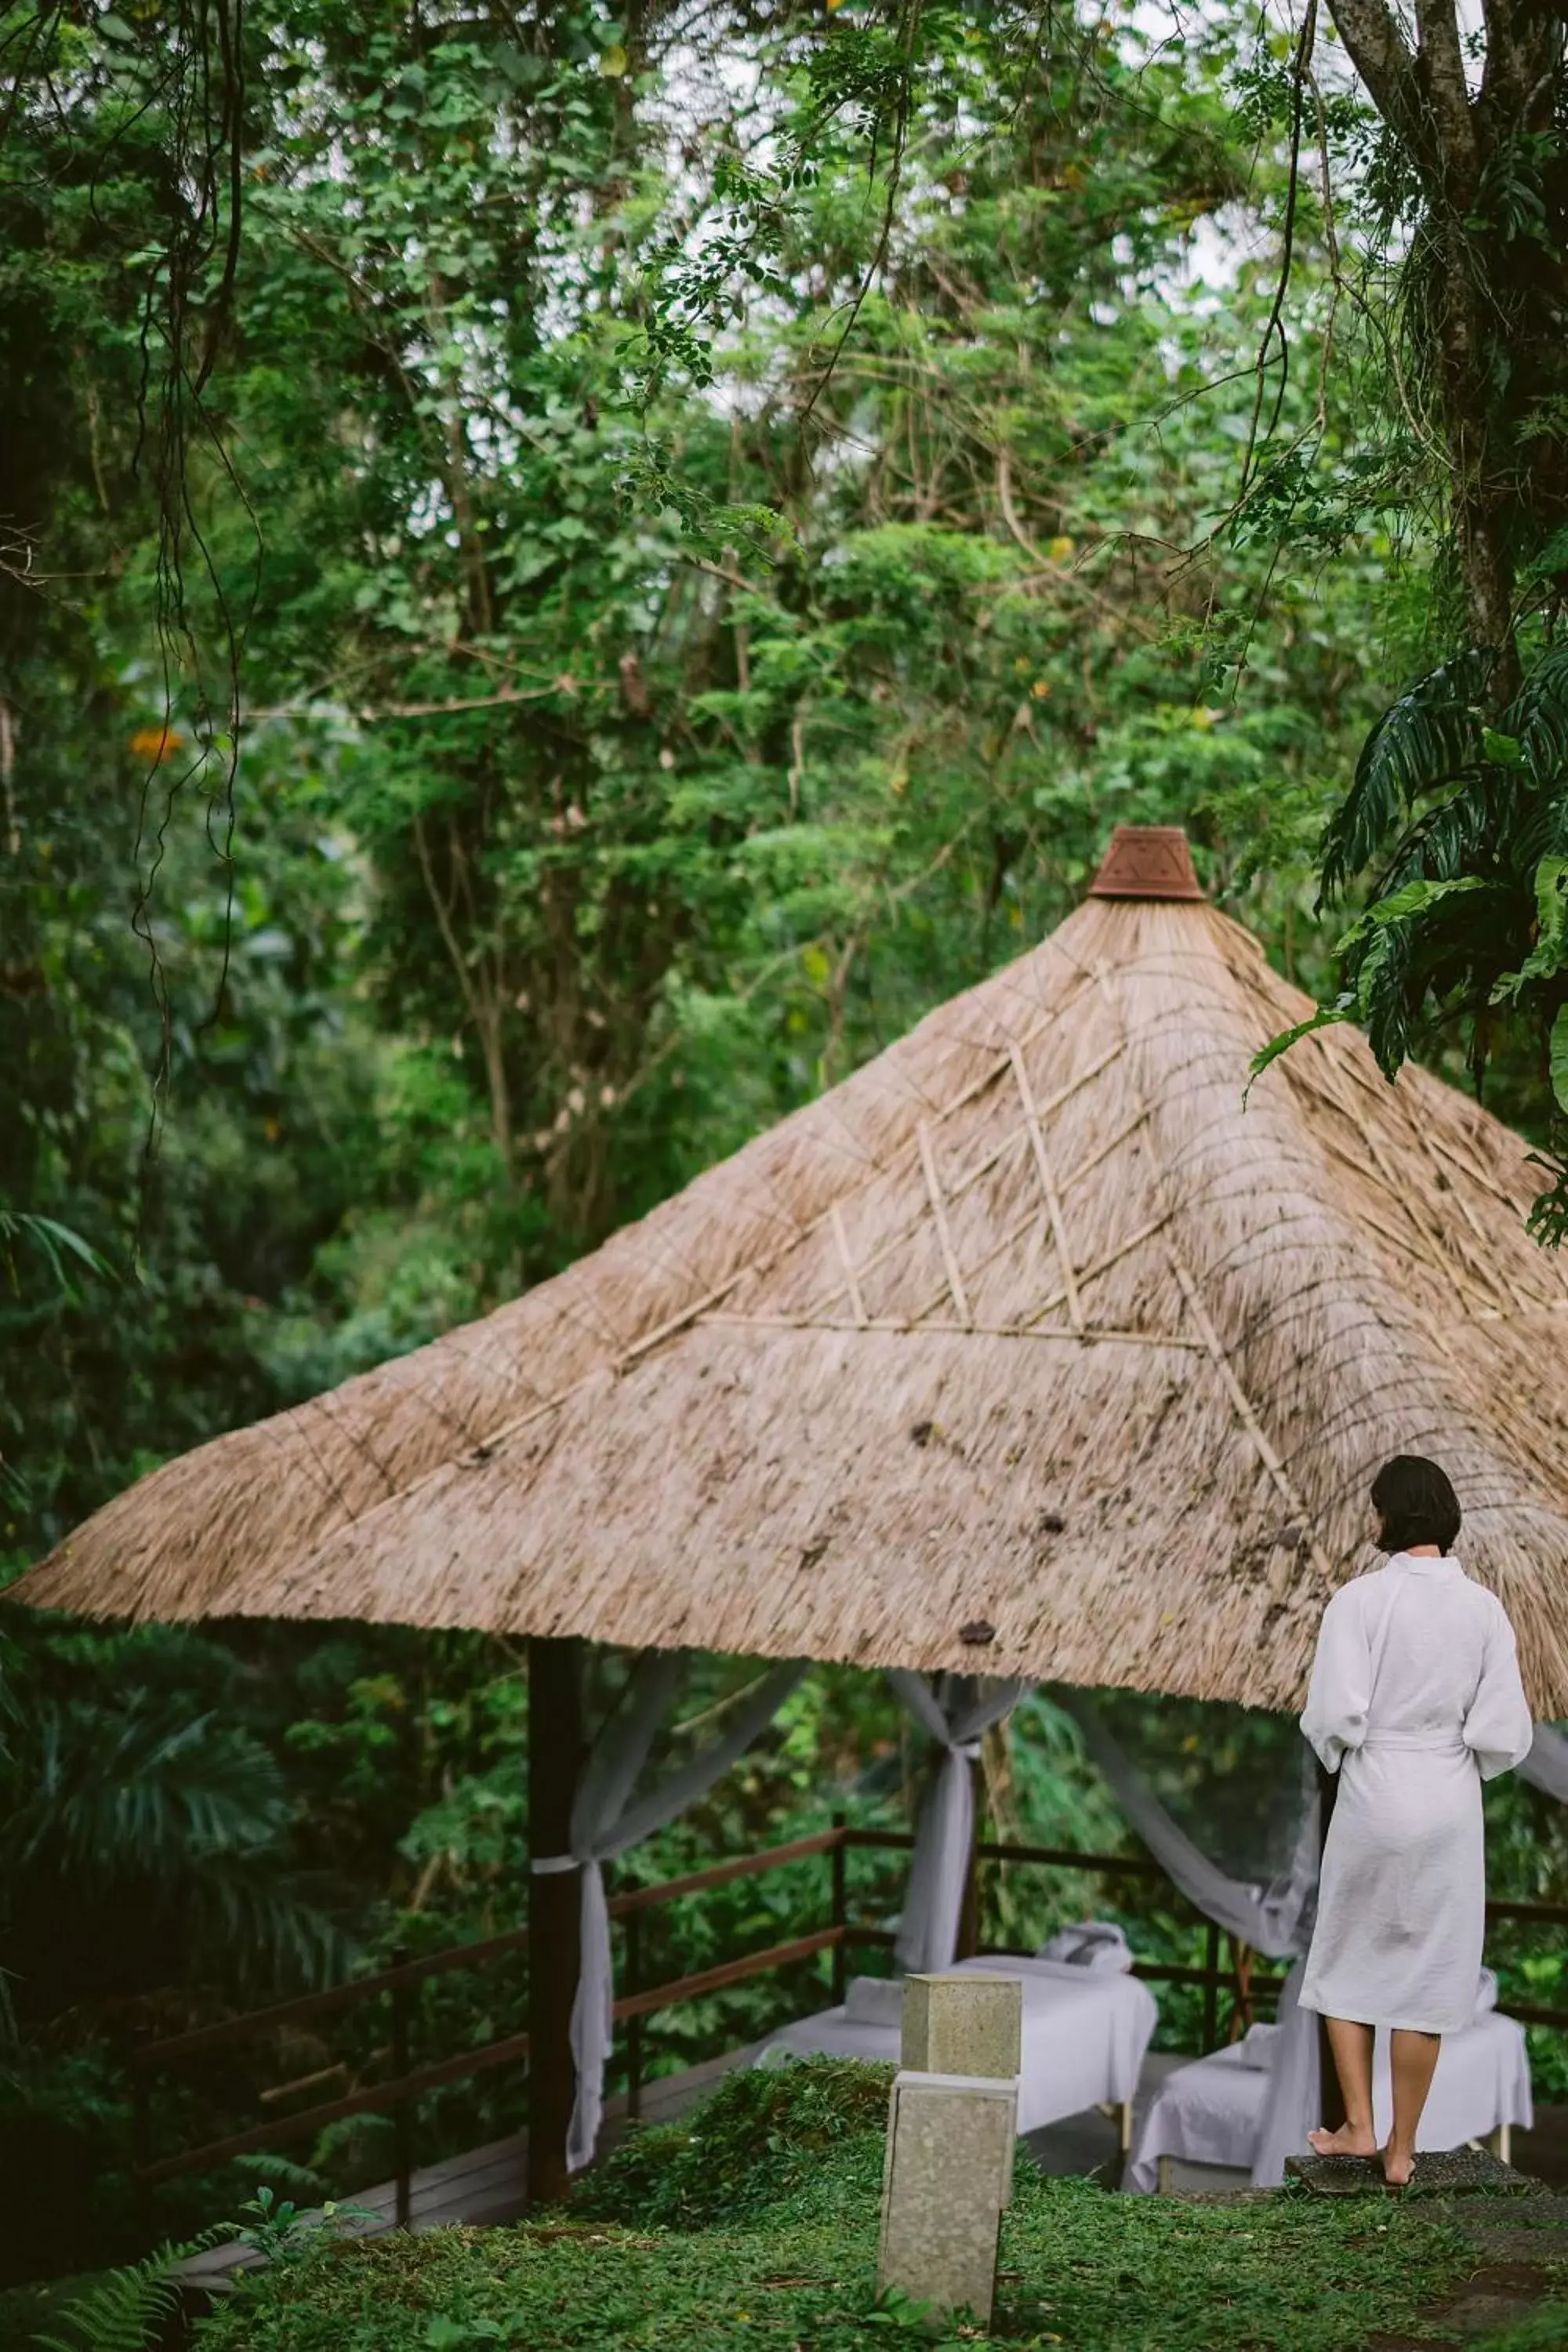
column 754, row 2223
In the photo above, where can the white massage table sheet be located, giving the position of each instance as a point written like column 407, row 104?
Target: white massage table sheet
column 1211, row 2112
column 1085, row 2033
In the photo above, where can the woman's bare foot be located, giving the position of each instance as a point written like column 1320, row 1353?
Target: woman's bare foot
column 1348, row 2140
column 1397, row 2169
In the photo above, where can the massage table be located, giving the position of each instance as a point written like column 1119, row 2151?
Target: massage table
column 1085, row 2033
column 1210, row 2111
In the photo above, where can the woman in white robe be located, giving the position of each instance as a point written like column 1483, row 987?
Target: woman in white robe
column 1415, row 1699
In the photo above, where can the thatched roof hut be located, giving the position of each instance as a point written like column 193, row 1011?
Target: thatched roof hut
column 1032, row 1348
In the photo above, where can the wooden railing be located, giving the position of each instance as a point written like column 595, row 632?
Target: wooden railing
column 397, row 2095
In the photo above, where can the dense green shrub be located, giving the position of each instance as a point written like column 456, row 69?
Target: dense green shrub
column 768, row 2136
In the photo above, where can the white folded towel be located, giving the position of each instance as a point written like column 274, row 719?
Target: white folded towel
column 1092, row 1943
column 1255, row 2047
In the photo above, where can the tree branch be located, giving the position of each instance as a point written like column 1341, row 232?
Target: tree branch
column 1381, row 56
column 1438, row 31
column 1523, row 46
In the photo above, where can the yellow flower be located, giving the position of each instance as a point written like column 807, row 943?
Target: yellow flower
column 155, row 743
column 1060, row 547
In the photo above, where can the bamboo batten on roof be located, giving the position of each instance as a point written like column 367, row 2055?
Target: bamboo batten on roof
column 1031, row 1348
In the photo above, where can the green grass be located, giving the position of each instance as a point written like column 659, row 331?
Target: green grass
column 1545, row 2330
column 754, row 2224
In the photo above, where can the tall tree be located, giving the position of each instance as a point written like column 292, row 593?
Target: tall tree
column 1456, row 825
column 1472, row 161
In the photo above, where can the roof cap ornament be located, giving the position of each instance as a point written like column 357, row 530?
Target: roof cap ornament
column 1147, row 861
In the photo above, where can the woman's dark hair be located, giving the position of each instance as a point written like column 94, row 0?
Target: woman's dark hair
column 1415, row 1503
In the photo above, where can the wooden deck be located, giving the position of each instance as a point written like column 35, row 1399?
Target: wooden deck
column 488, row 2185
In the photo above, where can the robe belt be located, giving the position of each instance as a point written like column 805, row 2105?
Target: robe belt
column 1437, row 1743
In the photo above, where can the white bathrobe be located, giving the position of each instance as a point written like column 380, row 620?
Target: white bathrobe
column 1415, row 1699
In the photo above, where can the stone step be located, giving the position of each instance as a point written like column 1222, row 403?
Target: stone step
column 1445, row 2172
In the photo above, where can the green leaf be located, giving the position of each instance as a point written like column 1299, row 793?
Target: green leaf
column 1551, row 950
column 1430, row 739
column 51, row 1238
column 1341, row 1009
column 1549, row 956
column 1558, row 1050
column 1402, row 905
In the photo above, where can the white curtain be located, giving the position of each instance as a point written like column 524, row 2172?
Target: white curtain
column 1293, row 2102
column 1546, row 1766
column 956, row 1711
column 1271, row 1918
column 606, row 1822
column 1275, row 1919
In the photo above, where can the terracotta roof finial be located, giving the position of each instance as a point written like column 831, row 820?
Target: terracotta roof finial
column 1147, row 861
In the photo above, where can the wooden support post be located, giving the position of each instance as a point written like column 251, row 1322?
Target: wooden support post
column 1242, row 2008
column 634, row 2024
column 402, row 2114
column 969, row 1916
column 1330, row 2098
column 554, row 1754
column 839, row 1915
column 1211, row 1988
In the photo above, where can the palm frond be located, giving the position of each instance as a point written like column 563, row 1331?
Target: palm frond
column 1558, row 1055
column 1536, row 719
column 141, row 1803
column 138, row 1792
column 1430, row 738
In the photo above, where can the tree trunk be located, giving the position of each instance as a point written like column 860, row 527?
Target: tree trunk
column 1479, row 485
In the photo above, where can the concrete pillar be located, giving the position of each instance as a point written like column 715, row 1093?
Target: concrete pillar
column 962, row 2024
column 952, row 2123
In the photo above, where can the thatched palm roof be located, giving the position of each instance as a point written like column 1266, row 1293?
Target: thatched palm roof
column 1030, row 1348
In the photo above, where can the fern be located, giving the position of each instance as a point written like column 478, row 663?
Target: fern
column 275, row 2171
column 127, row 2311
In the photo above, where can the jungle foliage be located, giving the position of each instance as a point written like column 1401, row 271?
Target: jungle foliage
column 564, row 576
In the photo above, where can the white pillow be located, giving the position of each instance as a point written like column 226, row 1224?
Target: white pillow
column 1092, row 1943
column 874, row 2001
column 1256, row 2048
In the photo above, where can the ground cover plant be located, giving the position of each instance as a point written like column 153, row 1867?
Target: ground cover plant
column 753, row 2222
column 553, row 598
